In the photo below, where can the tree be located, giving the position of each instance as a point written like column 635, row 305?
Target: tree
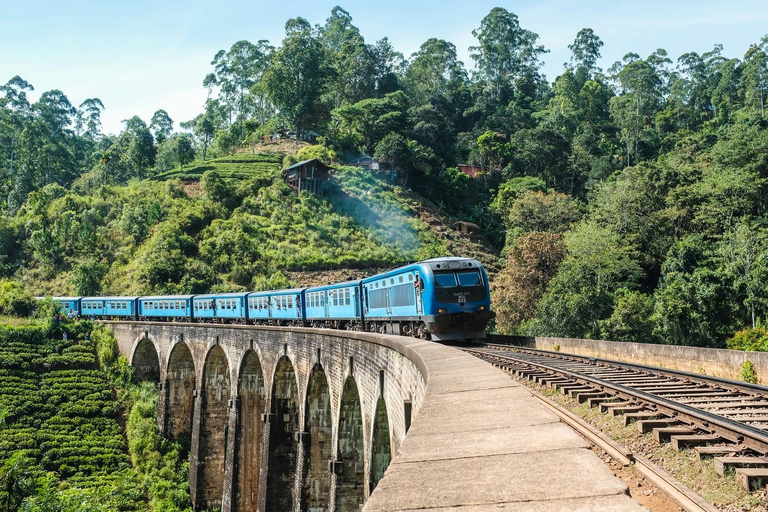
column 87, row 277
column 237, row 71
column 756, row 75
column 184, row 150
column 434, row 71
column 642, row 87
column 531, row 264
column 161, row 125
column 552, row 212
column 581, row 294
column 744, row 256
column 585, row 50
column 297, row 75
column 89, row 114
column 505, row 53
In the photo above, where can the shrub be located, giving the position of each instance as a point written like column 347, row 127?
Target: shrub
column 15, row 300
column 748, row 373
column 753, row 340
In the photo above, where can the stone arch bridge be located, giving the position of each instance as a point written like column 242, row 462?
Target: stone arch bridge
column 278, row 419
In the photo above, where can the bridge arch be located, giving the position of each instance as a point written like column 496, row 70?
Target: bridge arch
column 318, row 442
column 283, row 426
column 214, row 427
column 181, row 381
column 381, row 444
column 249, row 432
column 145, row 358
column 350, row 478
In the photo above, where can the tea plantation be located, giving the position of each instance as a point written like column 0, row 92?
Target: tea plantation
column 62, row 444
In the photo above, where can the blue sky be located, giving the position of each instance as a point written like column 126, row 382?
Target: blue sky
column 138, row 56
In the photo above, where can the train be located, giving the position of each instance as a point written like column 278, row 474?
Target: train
column 439, row 299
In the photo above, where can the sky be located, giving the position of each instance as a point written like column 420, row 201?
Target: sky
column 139, row 56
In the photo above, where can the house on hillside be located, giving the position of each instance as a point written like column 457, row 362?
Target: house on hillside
column 469, row 229
column 308, row 175
column 470, row 170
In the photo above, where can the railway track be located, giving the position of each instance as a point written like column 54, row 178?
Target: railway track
column 719, row 418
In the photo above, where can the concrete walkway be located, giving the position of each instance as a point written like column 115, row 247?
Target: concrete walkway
column 481, row 441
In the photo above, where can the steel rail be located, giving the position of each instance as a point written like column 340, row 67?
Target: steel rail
column 734, row 431
column 678, row 492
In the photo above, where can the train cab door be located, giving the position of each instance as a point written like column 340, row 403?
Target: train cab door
column 326, row 300
column 355, row 302
column 417, row 291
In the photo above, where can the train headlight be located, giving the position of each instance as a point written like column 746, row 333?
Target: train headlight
column 441, row 310
column 481, row 308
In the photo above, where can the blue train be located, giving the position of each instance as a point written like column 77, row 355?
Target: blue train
column 439, row 299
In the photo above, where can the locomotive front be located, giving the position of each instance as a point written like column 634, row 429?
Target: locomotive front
column 456, row 298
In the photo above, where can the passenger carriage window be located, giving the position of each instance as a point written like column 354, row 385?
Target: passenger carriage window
column 445, row 280
column 346, row 297
column 400, row 279
column 410, row 277
column 469, row 278
column 290, row 302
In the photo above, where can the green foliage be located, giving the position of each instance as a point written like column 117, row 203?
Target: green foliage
column 15, row 300
column 317, row 151
column 241, row 166
column 748, row 373
column 753, row 340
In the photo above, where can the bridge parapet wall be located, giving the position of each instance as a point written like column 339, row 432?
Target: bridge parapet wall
column 710, row 361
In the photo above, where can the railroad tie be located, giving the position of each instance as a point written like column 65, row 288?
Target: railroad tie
column 663, row 434
column 752, row 479
column 723, row 463
column 716, row 451
column 645, row 426
column 689, row 441
column 631, row 417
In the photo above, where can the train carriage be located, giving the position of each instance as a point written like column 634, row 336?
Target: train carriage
column 67, row 305
column 334, row 305
column 280, row 307
column 166, row 307
column 111, row 307
column 220, row 307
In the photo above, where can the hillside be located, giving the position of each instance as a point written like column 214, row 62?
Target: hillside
column 237, row 227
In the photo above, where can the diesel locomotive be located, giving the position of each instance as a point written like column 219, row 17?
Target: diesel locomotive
column 438, row 299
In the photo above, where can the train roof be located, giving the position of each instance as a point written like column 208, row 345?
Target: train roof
column 217, row 295
column 164, row 297
column 112, row 297
column 432, row 263
column 284, row 291
column 62, row 298
column 334, row 285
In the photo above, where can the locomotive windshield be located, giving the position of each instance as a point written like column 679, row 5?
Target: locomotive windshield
column 466, row 278
column 459, row 287
column 445, row 279
column 469, row 278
